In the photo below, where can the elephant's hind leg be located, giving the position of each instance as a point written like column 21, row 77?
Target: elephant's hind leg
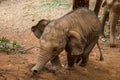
column 113, row 21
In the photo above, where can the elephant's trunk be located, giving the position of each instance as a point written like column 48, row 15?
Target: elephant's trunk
column 43, row 58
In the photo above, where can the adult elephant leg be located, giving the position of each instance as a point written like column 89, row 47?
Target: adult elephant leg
column 56, row 64
column 104, row 19
column 80, row 3
column 113, row 21
column 97, row 6
column 87, row 50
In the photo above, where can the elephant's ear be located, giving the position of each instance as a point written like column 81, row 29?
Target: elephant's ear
column 76, row 43
column 73, row 34
column 42, row 24
column 38, row 29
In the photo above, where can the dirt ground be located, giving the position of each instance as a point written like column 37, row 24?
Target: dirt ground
column 16, row 19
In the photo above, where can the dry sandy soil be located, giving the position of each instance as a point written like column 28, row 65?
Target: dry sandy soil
column 16, row 19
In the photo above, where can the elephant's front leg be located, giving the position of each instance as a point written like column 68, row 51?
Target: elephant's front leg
column 113, row 21
column 56, row 64
column 103, row 20
column 71, row 60
column 87, row 50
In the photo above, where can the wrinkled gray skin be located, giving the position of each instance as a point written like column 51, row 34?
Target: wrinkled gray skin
column 111, row 10
column 77, row 32
column 38, row 30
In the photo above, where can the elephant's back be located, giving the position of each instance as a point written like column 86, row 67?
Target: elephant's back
column 83, row 21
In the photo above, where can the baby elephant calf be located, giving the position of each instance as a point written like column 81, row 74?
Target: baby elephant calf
column 77, row 32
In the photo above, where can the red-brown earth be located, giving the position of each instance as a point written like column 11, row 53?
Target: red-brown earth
column 16, row 18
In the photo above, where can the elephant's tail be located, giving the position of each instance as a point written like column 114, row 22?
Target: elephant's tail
column 101, row 55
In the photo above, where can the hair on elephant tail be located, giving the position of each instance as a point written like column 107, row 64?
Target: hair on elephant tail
column 101, row 55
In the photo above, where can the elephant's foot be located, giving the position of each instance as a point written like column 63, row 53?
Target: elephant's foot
column 112, row 42
column 112, row 45
column 68, row 67
column 56, row 67
column 83, row 64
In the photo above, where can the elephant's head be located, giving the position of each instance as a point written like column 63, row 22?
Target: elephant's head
column 50, row 43
column 48, row 50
